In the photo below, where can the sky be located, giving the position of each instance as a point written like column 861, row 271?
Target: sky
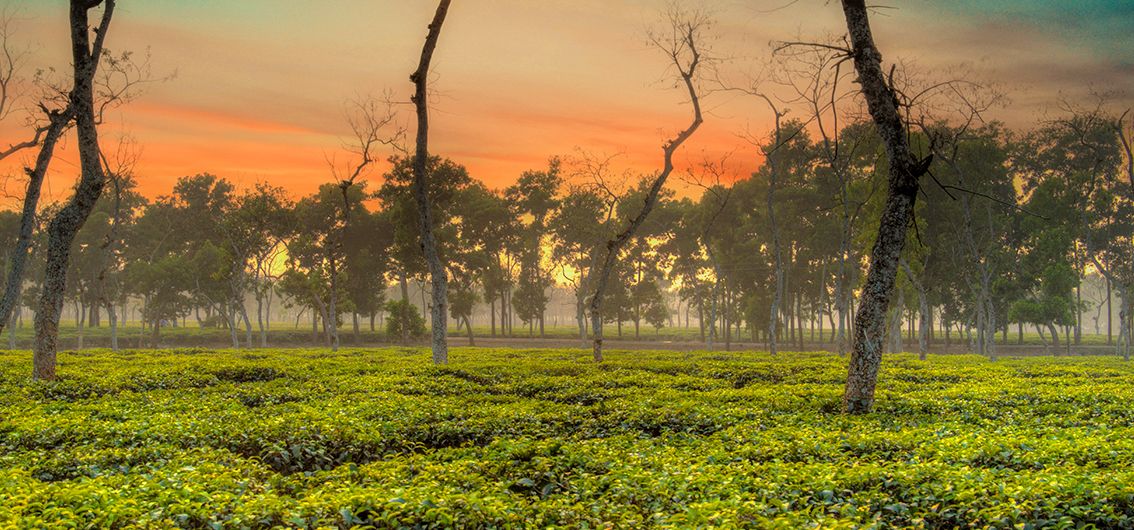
column 261, row 86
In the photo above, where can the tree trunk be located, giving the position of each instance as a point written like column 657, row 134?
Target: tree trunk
column 404, row 284
column 230, row 318
column 357, row 330
column 113, row 314
column 924, row 316
column 247, row 324
column 468, row 327
column 1109, row 315
column 331, row 320
column 12, row 329
column 67, row 222
column 260, row 319
column 581, row 313
column 606, row 256
column 870, row 320
column 314, row 327
column 437, row 273
column 16, row 266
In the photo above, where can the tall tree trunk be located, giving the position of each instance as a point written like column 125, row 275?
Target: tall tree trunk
column 58, row 121
column 777, row 251
column 606, row 256
column 67, row 222
column 437, row 272
column 870, row 320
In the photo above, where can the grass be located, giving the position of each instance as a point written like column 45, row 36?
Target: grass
column 288, row 334
column 543, row 438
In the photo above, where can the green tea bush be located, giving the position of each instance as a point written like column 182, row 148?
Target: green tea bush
column 545, row 438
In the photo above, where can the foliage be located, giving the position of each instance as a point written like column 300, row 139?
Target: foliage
column 506, row 438
column 403, row 316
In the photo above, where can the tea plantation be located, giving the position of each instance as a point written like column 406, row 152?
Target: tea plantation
column 544, row 438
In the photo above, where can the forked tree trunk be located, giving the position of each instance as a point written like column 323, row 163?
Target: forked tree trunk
column 870, row 320
column 420, row 78
column 67, row 222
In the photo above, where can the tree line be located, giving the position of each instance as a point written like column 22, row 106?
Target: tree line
column 880, row 199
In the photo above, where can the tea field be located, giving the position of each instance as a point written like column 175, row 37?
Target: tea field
column 545, row 438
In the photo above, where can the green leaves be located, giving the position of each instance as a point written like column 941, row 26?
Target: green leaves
column 538, row 438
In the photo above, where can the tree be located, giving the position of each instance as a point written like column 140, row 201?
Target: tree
column 63, row 227
column 534, row 197
column 905, row 171
column 449, row 183
column 579, row 226
column 437, row 272
column 52, row 115
column 682, row 43
column 257, row 228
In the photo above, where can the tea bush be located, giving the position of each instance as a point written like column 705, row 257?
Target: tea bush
column 544, row 438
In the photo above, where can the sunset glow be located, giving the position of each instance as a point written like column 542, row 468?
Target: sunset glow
column 260, row 88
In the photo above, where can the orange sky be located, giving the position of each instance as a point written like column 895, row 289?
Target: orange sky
column 261, row 85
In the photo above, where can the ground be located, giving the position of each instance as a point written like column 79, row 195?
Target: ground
column 544, row 438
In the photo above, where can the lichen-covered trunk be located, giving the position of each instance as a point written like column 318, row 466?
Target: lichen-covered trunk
column 437, row 273
column 67, row 222
column 870, row 319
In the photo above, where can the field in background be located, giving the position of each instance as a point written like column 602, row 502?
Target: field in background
column 286, row 334
column 536, row 438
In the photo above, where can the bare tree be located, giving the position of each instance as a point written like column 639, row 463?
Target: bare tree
column 905, row 172
column 682, row 43
column 817, row 80
column 49, row 120
column 777, row 251
column 67, row 222
column 420, row 78
column 369, row 120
